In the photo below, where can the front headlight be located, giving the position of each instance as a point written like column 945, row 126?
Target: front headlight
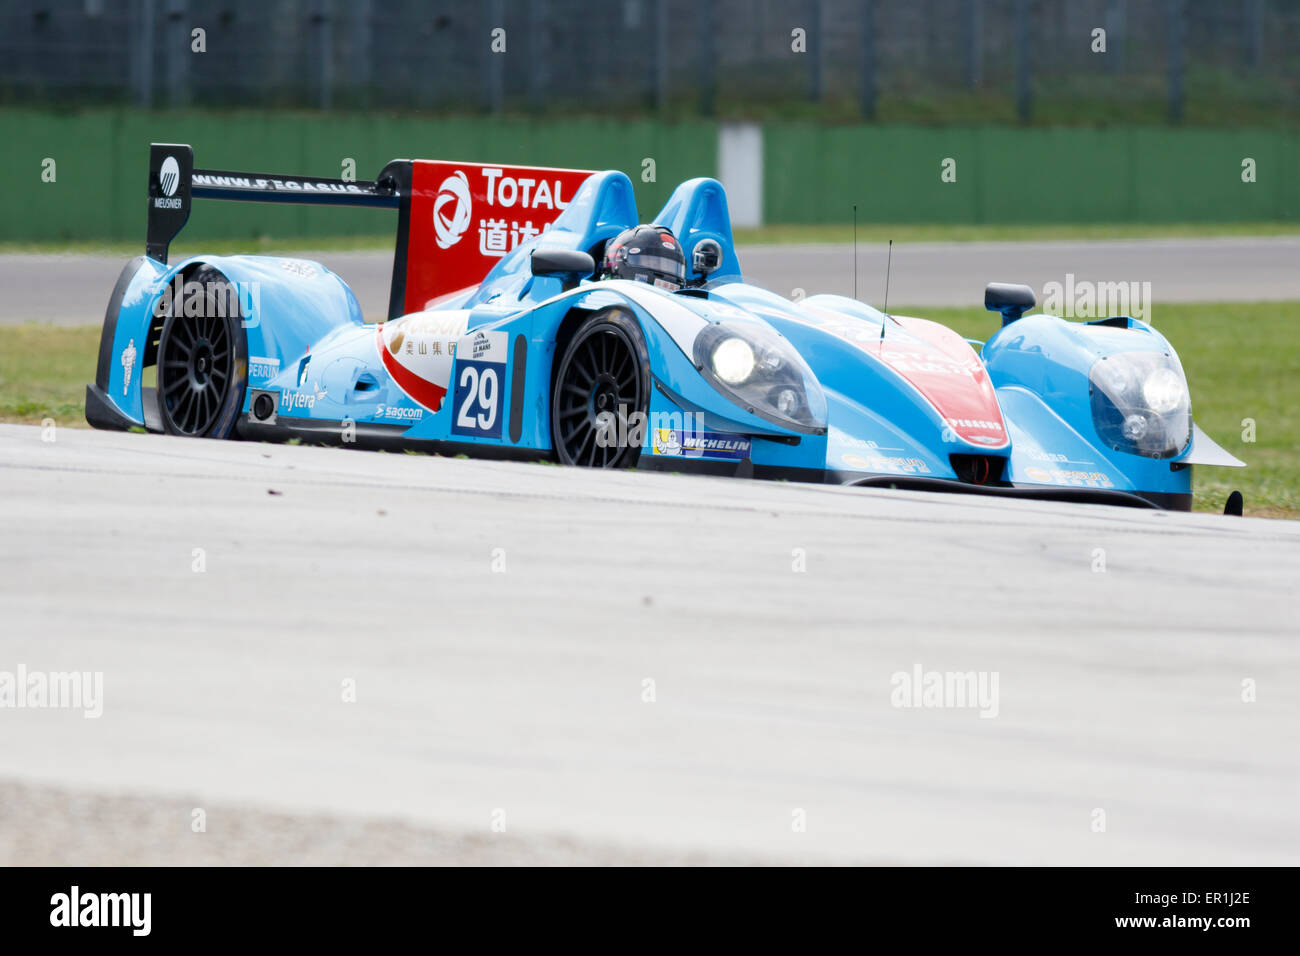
column 758, row 370
column 1140, row 403
column 733, row 360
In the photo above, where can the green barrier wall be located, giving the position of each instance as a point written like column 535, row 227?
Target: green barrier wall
column 812, row 173
column 102, row 162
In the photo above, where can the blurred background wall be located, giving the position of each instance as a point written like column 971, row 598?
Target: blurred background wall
column 855, row 101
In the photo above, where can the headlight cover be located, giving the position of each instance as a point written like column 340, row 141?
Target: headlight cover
column 1140, row 403
column 760, row 371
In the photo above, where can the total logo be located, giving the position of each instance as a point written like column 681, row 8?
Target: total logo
column 453, row 207
column 449, row 224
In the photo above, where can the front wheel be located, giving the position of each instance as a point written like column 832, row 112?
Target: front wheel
column 602, row 392
column 202, row 358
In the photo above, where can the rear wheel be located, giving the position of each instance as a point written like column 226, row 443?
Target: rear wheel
column 602, row 391
column 202, row 358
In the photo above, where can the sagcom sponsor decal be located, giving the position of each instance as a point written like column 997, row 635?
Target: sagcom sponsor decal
column 450, row 224
column 74, row 908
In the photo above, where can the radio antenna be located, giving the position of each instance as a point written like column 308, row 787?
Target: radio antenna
column 888, row 265
column 855, row 250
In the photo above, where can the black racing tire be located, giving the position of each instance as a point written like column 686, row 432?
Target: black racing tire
column 202, row 358
column 604, row 368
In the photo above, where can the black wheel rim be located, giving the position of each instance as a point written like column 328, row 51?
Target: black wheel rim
column 194, row 371
column 600, row 375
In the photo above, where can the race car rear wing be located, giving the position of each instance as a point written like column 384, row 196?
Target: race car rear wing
column 434, row 201
column 174, row 182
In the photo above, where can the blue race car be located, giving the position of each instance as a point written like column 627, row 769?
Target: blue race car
column 532, row 316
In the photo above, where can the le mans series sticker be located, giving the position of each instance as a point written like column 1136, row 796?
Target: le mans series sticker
column 710, row 446
column 480, row 380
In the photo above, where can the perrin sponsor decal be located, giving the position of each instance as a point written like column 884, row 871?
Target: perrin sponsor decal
column 262, row 367
column 680, row 443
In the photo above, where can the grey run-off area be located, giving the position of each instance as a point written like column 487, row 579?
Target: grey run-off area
column 501, row 622
column 74, row 289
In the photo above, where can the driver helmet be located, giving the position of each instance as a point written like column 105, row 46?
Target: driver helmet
column 646, row 254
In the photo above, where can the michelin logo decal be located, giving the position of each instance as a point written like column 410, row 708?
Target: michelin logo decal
column 711, row 446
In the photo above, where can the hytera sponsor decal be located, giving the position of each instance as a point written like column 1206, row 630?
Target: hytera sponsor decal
column 890, row 464
column 75, row 908
column 681, row 443
column 1096, row 300
column 169, row 179
column 480, row 378
column 946, row 689
column 55, row 690
column 294, row 401
column 399, row 413
column 451, row 210
column 128, row 363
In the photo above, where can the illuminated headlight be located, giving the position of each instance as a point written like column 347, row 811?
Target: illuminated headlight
column 1163, row 390
column 758, row 370
column 733, row 360
column 1140, row 403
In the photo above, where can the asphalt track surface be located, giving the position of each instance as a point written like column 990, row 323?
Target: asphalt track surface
column 500, row 621
column 73, row 290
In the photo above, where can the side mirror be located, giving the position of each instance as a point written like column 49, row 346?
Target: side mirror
column 1010, row 299
column 571, row 266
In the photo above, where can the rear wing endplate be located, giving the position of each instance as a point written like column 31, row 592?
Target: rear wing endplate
column 174, row 182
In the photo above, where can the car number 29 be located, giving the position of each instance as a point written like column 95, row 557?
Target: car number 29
column 478, row 400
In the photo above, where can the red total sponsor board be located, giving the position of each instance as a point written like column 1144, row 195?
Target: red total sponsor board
column 465, row 216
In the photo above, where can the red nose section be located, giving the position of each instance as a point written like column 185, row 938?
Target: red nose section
column 942, row 366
